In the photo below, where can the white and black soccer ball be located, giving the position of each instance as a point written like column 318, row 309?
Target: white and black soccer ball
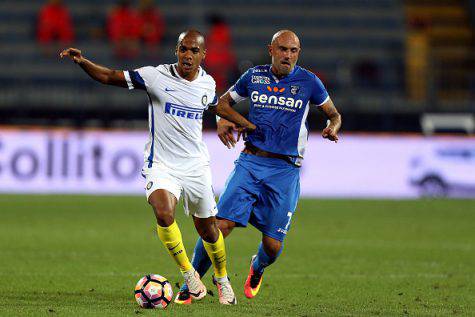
column 153, row 291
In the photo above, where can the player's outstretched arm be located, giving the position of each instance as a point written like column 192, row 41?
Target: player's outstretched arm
column 334, row 118
column 100, row 73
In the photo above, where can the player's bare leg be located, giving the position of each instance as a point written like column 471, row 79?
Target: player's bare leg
column 226, row 226
column 163, row 204
column 268, row 252
column 201, row 261
column 207, row 228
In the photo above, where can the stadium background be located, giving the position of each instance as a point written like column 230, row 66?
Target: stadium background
column 385, row 62
column 402, row 73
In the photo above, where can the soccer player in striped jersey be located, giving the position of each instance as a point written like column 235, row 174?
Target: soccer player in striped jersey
column 264, row 187
column 176, row 160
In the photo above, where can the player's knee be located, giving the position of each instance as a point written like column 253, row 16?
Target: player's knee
column 272, row 246
column 226, row 226
column 163, row 212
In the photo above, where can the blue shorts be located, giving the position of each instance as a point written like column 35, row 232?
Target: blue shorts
column 262, row 191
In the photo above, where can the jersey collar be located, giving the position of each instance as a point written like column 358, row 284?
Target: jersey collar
column 277, row 80
column 174, row 72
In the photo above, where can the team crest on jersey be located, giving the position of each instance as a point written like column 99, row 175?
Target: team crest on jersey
column 294, row 90
column 204, row 100
column 260, row 80
column 149, row 185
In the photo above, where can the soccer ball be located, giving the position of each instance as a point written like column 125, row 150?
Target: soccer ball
column 153, row 291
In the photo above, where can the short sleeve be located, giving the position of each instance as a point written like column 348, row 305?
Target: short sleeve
column 239, row 90
column 211, row 101
column 319, row 94
column 214, row 102
column 141, row 78
column 211, row 97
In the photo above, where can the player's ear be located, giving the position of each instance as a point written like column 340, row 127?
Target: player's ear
column 269, row 47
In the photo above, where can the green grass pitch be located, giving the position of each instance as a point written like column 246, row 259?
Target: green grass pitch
column 82, row 255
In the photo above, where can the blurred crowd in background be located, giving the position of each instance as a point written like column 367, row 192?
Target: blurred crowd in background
column 385, row 63
column 135, row 32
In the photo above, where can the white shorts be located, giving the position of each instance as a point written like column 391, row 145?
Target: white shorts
column 197, row 189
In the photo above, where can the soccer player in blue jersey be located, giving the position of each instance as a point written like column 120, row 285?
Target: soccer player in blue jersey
column 264, row 187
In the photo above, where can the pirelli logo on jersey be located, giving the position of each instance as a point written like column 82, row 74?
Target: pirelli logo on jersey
column 183, row 111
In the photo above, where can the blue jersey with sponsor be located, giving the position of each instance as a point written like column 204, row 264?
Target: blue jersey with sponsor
column 279, row 107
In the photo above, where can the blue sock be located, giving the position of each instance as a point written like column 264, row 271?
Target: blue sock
column 263, row 259
column 200, row 261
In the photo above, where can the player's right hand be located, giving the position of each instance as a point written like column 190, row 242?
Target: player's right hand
column 226, row 132
column 330, row 134
column 72, row 53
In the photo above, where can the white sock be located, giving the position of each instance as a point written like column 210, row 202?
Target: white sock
column 222, row 280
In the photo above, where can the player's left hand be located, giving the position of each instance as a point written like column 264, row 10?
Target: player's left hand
column 330, row 134
column 226, row 133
